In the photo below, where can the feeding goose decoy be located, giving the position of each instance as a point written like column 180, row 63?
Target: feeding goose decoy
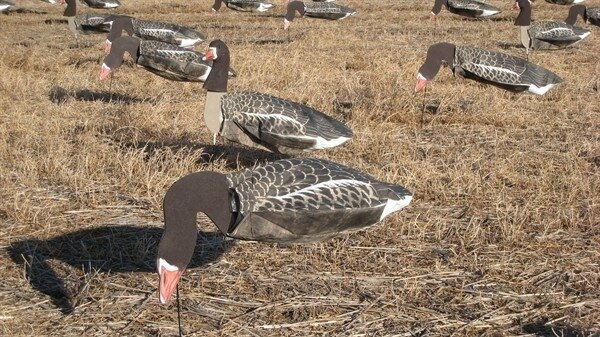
column 545, row 34
column 502, row 70
column 163, row 59
column 284, row 201
column 242, row 5
column 321, row 10
column 588, row 14
column 468, row 8
column 181, row 36
column 94, row 22
column 80, row 23
column 564, row 2
column 256, row 119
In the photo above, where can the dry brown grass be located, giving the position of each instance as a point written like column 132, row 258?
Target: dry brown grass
column 501, row 239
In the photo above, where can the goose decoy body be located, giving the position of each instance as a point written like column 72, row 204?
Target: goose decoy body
column 181, row 36
column 468, row 8
column 284, row 201
column 321, row 10
column 95, row 22
column 502, row 70
column 546, row 34
column 103, row 4
column 7, row 6
column 588, row 14
column 262, row 120
column 564, row 2
column 163, row 59
column 243, row 5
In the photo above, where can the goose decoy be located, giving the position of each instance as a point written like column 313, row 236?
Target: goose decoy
column 588, row 14
column 102, row 4
column 468, row 8
column 181, row 36
column 256, row 119
column 242, row 5
column 502, row 70
column 163, row 59
column 321, row 10
column 7, row 6
column 94, row 23
column 545, row 34
column 564, row 2
column 284, row 201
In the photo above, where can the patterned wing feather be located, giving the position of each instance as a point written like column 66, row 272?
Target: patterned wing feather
column 327, row 10
column 166, row 32
column 551, row 31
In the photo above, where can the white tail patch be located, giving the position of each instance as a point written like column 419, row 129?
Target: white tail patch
column 347, row 15
column 323, row 143
column 540, row 90
column 263, row 7
column 487, row 12
column 394, row 206
column 111, row 5
column 4, row 6
column 186, row 43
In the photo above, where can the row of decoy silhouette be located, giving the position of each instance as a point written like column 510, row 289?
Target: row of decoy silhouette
column 298, row 199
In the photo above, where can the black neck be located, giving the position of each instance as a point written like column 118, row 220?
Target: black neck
column 292, row 8
column 205, row 192
column 219, row 74
column 121, row 45
column 217, row 5
column 435, row 55
column 573, row 12
column 118, row 25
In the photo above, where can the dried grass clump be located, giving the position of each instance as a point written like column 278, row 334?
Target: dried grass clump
column 501, row 239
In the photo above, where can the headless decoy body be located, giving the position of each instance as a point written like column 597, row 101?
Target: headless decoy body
column 284, row 201
column 256, row 119
column 94, row 23
column 589, row 15
column 181, row 36
column 546, row 34
column 565, row 2
column 321, row 10
column 468, row 8
column 243, row 5
column 501, row 70
column 75, row 21
column 163, row 59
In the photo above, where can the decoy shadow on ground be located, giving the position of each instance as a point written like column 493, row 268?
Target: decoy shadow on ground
column 114, row 249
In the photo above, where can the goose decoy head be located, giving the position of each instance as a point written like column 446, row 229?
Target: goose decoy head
column 115, row 58
column 436, row 54
column 217, row 79
column 205, row 192
column 292, row 8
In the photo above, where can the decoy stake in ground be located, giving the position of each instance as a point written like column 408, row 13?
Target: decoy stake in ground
column 291, row 201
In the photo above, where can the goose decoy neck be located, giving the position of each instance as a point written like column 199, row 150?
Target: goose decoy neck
column 292, row 8
column 71, row 9
column 573, row 12
column 205, row 192
column 437, row 6
column 218, row 77
column 119, row 24
column 121, row 45
column 217, row 5
column 435, row 55
column 524, row 17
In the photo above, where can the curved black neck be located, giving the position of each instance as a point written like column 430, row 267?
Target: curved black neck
column 292, row 8
column 217, row 5
column 435, row 55
column 524, row 17
column 437, row 6
column 117, row 27
column 205, row 192
column 121, row 45
column 71, row 9
column 573, row 12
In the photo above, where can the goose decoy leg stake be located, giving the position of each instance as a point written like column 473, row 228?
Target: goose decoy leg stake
column 179, row 313
column 423, row 107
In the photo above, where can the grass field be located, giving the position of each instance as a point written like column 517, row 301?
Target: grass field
column 502, row 237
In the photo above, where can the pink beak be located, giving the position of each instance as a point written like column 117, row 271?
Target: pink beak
column 421, row 83
column 104, row 72
column 209, row 55
column 515, row 6
column 167, row 283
